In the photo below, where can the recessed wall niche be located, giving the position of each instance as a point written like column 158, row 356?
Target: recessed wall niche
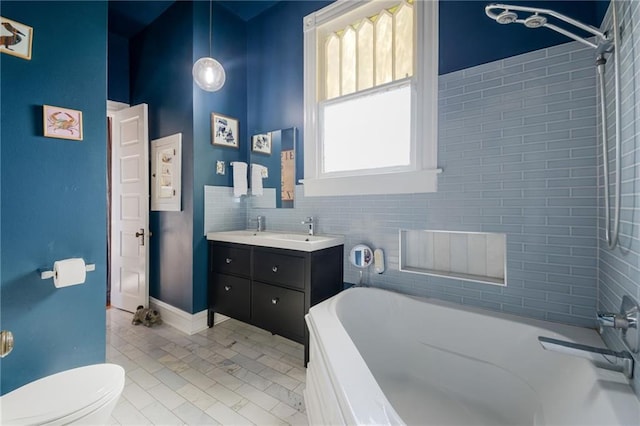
column 471, row 256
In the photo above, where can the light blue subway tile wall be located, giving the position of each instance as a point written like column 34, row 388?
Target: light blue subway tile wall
column 222, row 211
column 518, row 147
column 619, row 269
column 517, row 142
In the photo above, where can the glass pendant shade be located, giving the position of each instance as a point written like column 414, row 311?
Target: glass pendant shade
column 208, row 74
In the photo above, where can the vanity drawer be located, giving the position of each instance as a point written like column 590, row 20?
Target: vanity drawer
column 278, row 310
column 279, row 268
column 230, row 296
column 230, row 260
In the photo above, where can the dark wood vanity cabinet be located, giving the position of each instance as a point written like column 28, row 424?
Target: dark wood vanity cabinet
column 232, row 296
column 272, row 288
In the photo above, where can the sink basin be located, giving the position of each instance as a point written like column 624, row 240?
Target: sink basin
column 240, row 233
column 311, row 239
column 291, row 241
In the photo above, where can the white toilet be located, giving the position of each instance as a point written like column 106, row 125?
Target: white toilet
column 84, row 395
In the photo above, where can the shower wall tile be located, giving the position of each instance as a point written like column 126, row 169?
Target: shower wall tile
column 619, row 269
column 517, row 143
column 223, row 212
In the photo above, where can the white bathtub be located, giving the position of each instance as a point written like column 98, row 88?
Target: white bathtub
column 378, row 357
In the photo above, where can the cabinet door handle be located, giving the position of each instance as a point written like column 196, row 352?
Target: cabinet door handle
column 275, row 300
column 227, row 287
column 274, row 268
column 228, row 260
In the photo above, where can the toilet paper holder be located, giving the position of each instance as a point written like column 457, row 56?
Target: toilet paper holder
column 50, row 274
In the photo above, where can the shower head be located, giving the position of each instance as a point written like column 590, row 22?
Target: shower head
column 507, row 17
column 535, row 21
column 504, row 14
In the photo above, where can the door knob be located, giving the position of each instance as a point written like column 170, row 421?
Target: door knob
column 140, row 234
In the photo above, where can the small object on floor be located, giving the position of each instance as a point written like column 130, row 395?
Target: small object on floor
column 146, row 316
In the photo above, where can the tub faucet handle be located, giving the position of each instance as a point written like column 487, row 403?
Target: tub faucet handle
column 627, row 321
column 609, row 319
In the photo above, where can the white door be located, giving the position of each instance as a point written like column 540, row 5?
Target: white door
column 130, row 209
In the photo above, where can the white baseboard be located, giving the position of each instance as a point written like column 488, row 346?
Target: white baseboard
column 181, row 320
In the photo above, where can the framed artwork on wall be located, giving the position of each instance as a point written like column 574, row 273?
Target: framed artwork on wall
column 224, row 131
column 15, row 38
column 261, row 143
column 63, row 123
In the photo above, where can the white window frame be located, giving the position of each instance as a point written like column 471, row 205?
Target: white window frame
column 421, row 177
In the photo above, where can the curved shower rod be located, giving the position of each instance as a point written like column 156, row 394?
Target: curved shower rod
column 537, row 20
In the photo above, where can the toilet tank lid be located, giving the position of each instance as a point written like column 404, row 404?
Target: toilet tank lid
column 62, row 394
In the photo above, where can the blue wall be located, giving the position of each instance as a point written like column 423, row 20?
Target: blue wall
column 161, row 77
column 469, row 38
column 274, row 72
column 118, row 68
column 161, row 59
column 275, row 57
column 229, row 47
column 53, row 191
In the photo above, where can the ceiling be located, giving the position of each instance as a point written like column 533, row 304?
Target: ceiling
column 127, row 18
column 246, row 9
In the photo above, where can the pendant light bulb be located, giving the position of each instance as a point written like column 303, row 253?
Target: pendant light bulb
column 209, row 74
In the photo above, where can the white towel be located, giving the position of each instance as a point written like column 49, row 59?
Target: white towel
column 256, row 179
column 239, row 178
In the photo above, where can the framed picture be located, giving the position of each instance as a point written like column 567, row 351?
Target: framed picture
column 224, row 131
column 62, row 123
column 166, row 173
column 15, row 38
column 261, row 143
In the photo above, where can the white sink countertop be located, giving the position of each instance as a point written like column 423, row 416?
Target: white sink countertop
column 285, row 240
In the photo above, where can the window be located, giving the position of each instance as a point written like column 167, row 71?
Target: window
column 371, row 98
column 351, row 142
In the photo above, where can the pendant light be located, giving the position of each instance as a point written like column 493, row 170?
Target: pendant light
column 207, row 72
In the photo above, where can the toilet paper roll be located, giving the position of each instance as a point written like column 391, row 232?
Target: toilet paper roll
column 69, row 272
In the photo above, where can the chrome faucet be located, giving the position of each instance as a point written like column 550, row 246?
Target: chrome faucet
column 602, row 358
column 628, row 318
column 627, row 321
column 619, row 321
column 260, row 223
column 311, row 222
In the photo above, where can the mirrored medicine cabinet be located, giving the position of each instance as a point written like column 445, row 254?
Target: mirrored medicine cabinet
column 275, row 150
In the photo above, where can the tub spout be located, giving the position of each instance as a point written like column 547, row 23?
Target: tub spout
column 603, row 358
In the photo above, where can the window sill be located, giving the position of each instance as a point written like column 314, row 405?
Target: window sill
column 393, row 183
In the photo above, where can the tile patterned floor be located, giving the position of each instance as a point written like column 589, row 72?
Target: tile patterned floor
column 231, row 374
